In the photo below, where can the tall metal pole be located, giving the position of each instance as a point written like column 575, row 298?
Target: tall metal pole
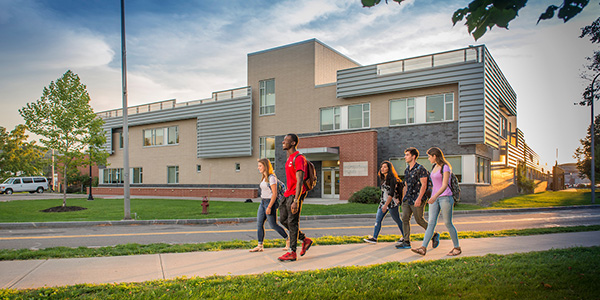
column 126, row 204
column 593, row 135
column 90, row 197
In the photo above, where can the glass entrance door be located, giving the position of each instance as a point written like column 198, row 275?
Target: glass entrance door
column 330, row 183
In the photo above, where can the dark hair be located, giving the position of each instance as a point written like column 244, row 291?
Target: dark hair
column 294, row 138
column 391, row 170
column 440, row 160
column 413, row 151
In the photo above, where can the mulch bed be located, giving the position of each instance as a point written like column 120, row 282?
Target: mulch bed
column 63, row 209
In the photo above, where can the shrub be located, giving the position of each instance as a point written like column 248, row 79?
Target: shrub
column 367, row 195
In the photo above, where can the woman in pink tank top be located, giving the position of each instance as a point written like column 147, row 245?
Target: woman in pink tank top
column 440, row 201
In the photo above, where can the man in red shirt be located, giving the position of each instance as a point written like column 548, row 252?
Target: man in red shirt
column 290, row 207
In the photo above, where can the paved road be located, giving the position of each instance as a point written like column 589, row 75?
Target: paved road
column 96, row 236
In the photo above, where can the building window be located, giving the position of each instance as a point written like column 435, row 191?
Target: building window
column 161, row 136
column 402, row 111
column 267, row 148
column 173, row 174
column 237, row 167
column 120, row 140
column 198, row 168
column 358, row 116
column 483, row 170
column 330, row 118
column 173, row 135
column 503, row 127
column 137, row 175
column 113, row 175
column 439, row 108
column 345, row 117
column 267, row 97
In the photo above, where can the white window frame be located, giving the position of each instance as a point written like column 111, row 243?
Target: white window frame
column 445, row 103
column 140, row 171
column 176, row 169
column 166, row 131
column 482, row 168
column 264, row 109
column 112, row 176
column 419, row 109
column 341, row 115
column 408, row 107
column 503, row 127
column 263, row 149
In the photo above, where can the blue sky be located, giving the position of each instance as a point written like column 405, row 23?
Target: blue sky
column 187, row 49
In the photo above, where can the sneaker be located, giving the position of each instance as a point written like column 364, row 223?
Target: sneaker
column 435, row 241
column 371, row 240
column 404, row 245
column 288, row 256
column 399, row 242
column 305, row 246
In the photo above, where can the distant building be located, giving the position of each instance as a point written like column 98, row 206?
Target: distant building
column 572, row 178
column 349, row 118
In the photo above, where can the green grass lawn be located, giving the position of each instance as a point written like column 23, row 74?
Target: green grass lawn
column 153, row 209
column 555, row 274
column 164, row 209
column 547, row 198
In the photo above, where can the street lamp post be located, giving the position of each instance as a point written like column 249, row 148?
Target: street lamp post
column 90, row 197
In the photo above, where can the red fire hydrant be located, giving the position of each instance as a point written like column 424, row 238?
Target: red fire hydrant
column 205, row 206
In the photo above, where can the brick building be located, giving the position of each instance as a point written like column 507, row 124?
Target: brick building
column 349, row 118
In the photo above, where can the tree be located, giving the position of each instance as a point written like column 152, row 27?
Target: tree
column 582, row 153
column 481, row 15
column 593, row 31
column 17, row 156
column 67, row 123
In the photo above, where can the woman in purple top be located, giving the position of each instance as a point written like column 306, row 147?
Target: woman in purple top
column 441, row 200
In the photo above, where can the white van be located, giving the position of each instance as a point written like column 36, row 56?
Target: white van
column 24, row 184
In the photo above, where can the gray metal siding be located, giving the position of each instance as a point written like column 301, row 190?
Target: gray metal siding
column 497, row 92
column 225, row 129
column 108, row 147
column 362, row 81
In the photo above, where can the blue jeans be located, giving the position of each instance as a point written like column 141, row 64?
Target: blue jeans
column 261, row 217
column 445, row 204
column 381, row 215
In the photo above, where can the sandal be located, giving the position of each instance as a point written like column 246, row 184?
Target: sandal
column 421, row 250
column 287, row 245
column 258, row 248
column 455, row 251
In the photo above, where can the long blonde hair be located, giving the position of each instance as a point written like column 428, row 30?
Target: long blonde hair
column 268, row 169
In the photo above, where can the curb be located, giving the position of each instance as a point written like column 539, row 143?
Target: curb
column 29, row 225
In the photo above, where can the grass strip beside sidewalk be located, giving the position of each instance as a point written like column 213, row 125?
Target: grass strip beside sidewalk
column 137, row 249
column 554, row 274
column 171, row 209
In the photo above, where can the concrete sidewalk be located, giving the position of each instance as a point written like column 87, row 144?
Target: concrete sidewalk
column 137, row 268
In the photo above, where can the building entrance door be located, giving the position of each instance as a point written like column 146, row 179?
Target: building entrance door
column 331, row 182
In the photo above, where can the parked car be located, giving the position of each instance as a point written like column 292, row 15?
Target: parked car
column 24, row 184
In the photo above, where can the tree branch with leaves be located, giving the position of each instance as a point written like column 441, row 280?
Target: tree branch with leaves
column 482, row 15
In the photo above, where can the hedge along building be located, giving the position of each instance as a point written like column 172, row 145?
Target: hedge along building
column 349, row 118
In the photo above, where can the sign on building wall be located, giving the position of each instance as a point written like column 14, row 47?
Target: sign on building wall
column 356, row 168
